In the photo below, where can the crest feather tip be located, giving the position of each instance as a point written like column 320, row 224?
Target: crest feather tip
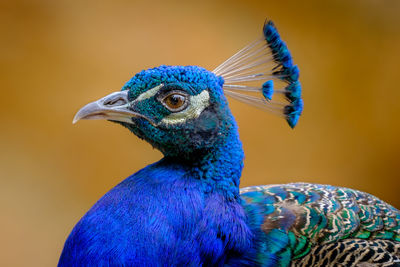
column 268, row 89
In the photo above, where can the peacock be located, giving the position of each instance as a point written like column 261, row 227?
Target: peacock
column 187, row 208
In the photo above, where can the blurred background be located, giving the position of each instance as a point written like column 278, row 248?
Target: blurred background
column 57, row 56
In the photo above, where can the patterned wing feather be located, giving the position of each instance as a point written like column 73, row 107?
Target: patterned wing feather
column 293, row 222
column 353, row 252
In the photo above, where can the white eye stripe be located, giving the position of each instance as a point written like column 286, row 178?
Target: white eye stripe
column 197, row 104
column 149, row 93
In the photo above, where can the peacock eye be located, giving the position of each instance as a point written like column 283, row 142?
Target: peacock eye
column 175, row 101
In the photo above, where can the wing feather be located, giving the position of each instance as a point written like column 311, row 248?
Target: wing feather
column 310, row 218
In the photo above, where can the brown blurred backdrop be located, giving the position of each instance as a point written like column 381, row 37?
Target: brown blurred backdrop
column 58, row 55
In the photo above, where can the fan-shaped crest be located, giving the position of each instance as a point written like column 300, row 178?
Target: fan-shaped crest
column 262, row 74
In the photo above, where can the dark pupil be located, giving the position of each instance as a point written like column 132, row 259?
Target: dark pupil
column 175, row 101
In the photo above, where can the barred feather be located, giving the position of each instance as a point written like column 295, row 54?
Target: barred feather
column 352, row 253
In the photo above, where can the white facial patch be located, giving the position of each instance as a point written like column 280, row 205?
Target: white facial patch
column 197, row 104
column 149, row 93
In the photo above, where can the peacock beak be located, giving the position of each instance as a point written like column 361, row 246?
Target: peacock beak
column 115, row 107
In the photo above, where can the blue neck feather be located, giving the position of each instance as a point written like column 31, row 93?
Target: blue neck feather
column 169, row 207
column 220, row 169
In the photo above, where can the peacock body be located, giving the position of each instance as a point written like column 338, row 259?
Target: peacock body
column 187, row 209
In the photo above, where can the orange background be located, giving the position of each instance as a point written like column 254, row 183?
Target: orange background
column 57, row 56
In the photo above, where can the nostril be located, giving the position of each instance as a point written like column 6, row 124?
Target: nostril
column 115, row 102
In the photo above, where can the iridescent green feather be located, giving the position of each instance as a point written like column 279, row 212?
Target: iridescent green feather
column 302, row 217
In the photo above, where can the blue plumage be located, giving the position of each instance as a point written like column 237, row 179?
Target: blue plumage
column 186, row 209
column 153, row 217
column 293, row 112
column 268, row 89
column 293, row 91
column 286, row 71
column 280, row 51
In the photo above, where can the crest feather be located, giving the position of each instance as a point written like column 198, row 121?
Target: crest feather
column 262, row 74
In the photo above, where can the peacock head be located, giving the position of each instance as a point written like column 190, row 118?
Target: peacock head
column 179, row 110
column 183, row 111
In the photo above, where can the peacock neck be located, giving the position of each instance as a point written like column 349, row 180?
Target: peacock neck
column 220, row 167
